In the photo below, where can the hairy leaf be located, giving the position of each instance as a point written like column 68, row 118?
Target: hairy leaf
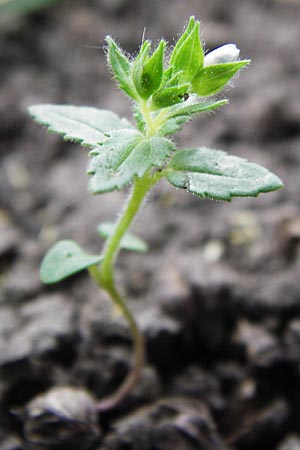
column 121, row 67
column 64, row 259
column 152, row 72
column 185, row 109
column 124, row 155
column 129, row 241
column 181, row 113
column 169, row 96
column 139, row 118
column 214, row 174
column 78, row 123
column 189, row 57
column 212, row 79
column 138, row 67
column 189, row 28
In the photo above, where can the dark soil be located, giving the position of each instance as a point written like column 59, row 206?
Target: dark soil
column 218, row 295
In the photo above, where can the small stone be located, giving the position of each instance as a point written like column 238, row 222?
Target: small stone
column 195, row 383
column 290, row 443
column 34, row 328
column 10, row 443
column 292, row 340
column 168, row 424
column 247, row 390
column 213, row 250
column 162, row 334
column 264, row 427
column 261, row 346
column 9, row 236
column 63, row 416
column 22, row 281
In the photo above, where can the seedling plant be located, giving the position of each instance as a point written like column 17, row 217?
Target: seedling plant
column 166, row 89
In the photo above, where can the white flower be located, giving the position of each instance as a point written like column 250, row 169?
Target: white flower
column 225, row 54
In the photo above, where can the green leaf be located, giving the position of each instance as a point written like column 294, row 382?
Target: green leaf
column 129, row 240
column 64, row 259
column 170, row 95
column 172, row 125
column 181, row 113
column 195, row 108
column 77, row 123
column 138, row 67
column 212, row 79
column 152, row 72
column 189, row 57
column 139, row 118
column 214, row 174
column 189, row 28
column 124, row 155
column 121, row 67
column 167, row 76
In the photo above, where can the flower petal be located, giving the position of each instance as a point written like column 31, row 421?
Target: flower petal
column 226, row 53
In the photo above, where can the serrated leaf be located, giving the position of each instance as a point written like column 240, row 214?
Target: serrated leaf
column 181, row 113
column 123, row 156
column 64, row 259
column 214, row 174
column 129, row 240
column 121, row 67
column 212, row 79
column 77, row 123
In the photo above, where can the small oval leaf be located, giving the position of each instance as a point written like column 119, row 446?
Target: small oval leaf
column 64, row 259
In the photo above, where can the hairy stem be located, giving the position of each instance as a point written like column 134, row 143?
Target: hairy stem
column 104, row 276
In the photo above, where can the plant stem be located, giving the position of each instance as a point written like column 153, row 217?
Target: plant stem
column 138, row 358
column 139, row 191
column 105, row 278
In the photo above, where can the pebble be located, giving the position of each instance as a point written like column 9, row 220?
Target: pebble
column 167, row 424
column 34, row 328
column 290, row 443
column 63, row 416
column 262, row 348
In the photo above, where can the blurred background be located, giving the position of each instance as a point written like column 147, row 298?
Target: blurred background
column 217, row 296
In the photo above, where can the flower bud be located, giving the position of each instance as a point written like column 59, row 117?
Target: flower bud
column 225, row 54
